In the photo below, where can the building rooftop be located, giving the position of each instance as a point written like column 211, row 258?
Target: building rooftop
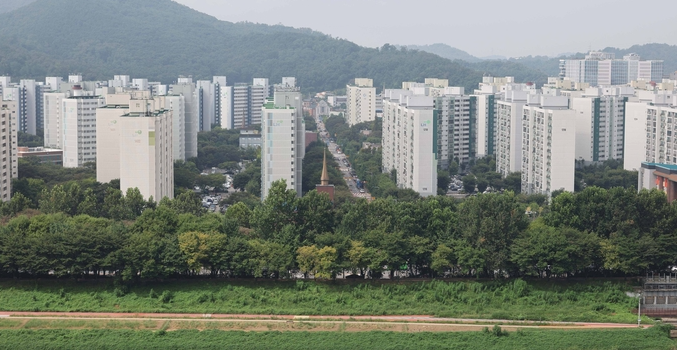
column 146, row 114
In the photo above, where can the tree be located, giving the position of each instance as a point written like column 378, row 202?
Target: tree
column 134, row 202
column 482, row 184
column 442, row 259
column 240, row 213
column 189, row 203
column 54, row 201
column 469, row 183
column 114, row 206
column 203, row 250
column 490, row 223
column 443, row 180
column 513, row 182
column 88, row 206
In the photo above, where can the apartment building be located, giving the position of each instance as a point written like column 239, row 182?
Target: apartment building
column 650, row 131
column 8, row 147
column 456, row 130
column 603, row 69
column 548, row 134
column 409, row 142
column 241, row 104
column 146, row 160
column 280, row 146
column 53, row 119
column 508, row 131
column 360, row 101
column 186, row 88
column 79, row 129
column 600, row 123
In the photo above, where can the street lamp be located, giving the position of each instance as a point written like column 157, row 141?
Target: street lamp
column 639, row 309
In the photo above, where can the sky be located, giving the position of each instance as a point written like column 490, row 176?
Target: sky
column 480, row 27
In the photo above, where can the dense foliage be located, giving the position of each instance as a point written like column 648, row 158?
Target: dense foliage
column 607, row 175
column 594, row 232
column 600, row 301
column 656, row 338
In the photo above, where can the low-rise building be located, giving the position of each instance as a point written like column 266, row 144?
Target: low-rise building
column 44, row 155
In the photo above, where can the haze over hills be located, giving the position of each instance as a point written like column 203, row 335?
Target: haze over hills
column 160, row 39
column 446, row 51
column 11, row 5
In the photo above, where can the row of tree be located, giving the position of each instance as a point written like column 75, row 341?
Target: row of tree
column 594, row 232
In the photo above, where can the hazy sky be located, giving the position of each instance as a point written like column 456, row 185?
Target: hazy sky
column 480, row 27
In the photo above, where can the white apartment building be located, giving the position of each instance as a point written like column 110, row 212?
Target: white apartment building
column 79, row 129
column 508, row 131
column 146, row 160
column 53, row 115
column 186, row 88
column 279, row 147
column 361, row 101
column 603, row 69
column 600, row 123
column 177, row 105
column 8, row 147
column 548, row 136
column 455, row 115
column 651, row 131
column 284, row 96
column 409, row 140
column 241, row 104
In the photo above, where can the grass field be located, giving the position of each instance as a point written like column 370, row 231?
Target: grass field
column 636, row 339
column 596, row 301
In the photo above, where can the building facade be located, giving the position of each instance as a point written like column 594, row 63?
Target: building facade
column 146, row 160
column 548, row 158
column 279, row 148
column 8, row 147
column 79, row 129
column 360, row 101
column 409, row 140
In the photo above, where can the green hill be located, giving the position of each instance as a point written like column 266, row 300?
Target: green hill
column 665, row 52
column 11, row 5
column 446, row 51
column 160, row 39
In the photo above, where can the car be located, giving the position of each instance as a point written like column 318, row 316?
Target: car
column 361, row 190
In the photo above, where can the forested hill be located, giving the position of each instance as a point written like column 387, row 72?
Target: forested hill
column 160, row 39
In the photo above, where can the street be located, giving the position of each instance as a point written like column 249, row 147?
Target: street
column 343, row 161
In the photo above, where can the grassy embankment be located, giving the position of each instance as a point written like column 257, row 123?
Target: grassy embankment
column 650, row 339
column 596, row 301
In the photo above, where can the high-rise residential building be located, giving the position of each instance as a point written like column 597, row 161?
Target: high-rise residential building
column 146, row 160
column 548, row 139
column 8, row 147
column 600, row 123
column 492, row 90
column 241, row 104
column 409, row 140
column 176, row 105
column 79, row 129
column 53, row 119
column 186, row 88
column 650, row 131
column 290, row 95
column 455, row 115
column 603, row 69
column 280, row 146
column 361, row 101
column 508, row 131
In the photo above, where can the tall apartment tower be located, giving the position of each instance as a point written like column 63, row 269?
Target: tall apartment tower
column 508, row 126
column 279, row 147
column 241, row 104
column 8, row 146
column 290, row 95
column 177, row 105
column 53, row 119
column 79, row 129
column 548, row 155
column 600, row 123
column 650, row 131
column 361, row 101
column 456, row 125
column 603, row 69
column 146, row 160
column 186, row 88
column 410, row 140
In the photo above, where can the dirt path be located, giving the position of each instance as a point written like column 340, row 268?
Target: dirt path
column 172, row 321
